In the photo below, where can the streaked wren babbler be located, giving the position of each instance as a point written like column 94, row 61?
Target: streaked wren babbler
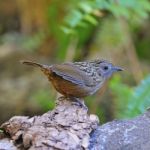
column 78, row 79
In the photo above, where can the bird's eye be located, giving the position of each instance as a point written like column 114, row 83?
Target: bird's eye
column 105, row 68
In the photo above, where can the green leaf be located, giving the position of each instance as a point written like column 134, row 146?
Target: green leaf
column 90, row 19
column 86, row 7
column 74, row 18
column 67, row 30
column 131, row 102
column 141, row 98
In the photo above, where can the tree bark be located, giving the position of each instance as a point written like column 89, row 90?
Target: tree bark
column 66, row 127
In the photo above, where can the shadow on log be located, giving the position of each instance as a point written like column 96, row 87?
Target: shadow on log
column 70, row 127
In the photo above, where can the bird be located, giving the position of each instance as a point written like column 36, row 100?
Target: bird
column 77, row 79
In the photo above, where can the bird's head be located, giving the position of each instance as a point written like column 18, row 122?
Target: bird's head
column 106, row 69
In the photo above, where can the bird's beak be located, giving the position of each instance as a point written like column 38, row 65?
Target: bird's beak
column 116, row 68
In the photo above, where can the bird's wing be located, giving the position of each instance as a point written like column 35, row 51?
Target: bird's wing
column 73, row 74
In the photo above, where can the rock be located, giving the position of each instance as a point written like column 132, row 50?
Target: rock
column 132, row 134
column 6, row 144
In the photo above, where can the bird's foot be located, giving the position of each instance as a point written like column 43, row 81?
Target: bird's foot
column 75, row 101
column 79, row 102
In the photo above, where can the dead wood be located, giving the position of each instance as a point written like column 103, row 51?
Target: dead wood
column 66, row 127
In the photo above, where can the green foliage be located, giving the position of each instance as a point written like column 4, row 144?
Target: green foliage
column 88, row 12
column 45, row 99
column 143, row 47
column 131, row 102
column 54, row 30
column 80, row 17
column 85, row 17
column 130, row 9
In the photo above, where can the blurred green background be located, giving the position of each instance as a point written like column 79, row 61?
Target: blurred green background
column 55, row 31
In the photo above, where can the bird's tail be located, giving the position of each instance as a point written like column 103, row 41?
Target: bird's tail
column 44, row 68
column 31, row 63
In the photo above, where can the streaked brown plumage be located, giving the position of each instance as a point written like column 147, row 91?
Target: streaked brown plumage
column 78, row 79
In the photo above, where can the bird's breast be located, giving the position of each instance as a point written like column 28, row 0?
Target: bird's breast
column 68, row 88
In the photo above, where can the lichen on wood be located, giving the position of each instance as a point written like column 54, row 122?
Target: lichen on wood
column 68, row 126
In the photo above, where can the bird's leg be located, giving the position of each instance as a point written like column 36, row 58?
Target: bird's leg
column 78, row 102
column 60, row 100
column 74, row 100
